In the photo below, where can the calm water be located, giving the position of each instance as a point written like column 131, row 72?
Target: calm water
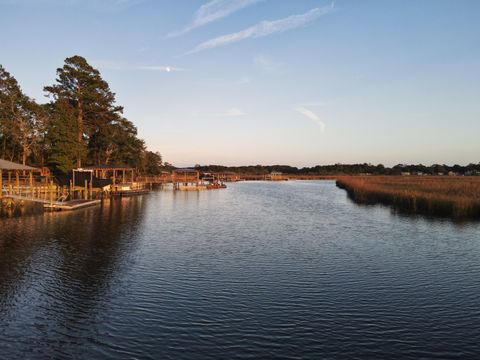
column 260, row 270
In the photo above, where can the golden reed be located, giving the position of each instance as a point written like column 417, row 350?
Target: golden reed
column 457, row 197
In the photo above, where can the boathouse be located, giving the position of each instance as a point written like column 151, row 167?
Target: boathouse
column 122, row 179
column 276, row 176
column 228, row 176
column 186, row 179
column 16, row 177
column 118, row 174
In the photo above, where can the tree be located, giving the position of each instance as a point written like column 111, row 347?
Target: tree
column 152, row 164
column 39, row 149
column 89, row 96
column 25, row 130
column 9, row 93
column 19, row 123
column 117, row 143
column 61, row 142
column 82, row 123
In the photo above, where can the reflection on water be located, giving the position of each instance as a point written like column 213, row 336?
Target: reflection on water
column 56, row 269
column 258, row 270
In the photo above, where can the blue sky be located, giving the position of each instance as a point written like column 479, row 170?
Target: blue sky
column 299, row 82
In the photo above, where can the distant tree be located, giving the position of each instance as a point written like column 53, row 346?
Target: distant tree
column 380, row 169
column 168, row 167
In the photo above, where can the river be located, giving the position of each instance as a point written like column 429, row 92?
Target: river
column 259, row 270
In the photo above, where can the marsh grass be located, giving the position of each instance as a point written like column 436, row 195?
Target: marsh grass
column 457, row 197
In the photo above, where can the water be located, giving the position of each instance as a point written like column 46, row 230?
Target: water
column 260, row 270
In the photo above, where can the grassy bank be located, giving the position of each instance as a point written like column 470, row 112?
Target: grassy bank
column 457, row 197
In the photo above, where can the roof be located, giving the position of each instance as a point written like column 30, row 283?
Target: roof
column 8, row 165
column 106, row 167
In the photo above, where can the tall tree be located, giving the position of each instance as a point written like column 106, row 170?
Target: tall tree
column 88, row 94
column 10, row 98
column 62, row 147
column 19, row 123
column 42, row 117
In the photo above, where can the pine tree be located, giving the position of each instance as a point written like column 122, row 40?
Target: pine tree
column 90, row 97
column 63, row 149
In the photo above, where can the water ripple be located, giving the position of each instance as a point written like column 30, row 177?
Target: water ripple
column 262, row 270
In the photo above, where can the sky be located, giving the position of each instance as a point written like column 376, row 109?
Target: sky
column 245, row 82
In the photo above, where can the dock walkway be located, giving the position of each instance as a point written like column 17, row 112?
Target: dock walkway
column 56, row 205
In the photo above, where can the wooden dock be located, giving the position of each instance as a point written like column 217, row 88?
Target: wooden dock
column 70, row 205
column 56, row 205
column 129, row 192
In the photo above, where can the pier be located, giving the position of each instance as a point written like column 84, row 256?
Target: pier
column 21, row 183
column 87, row 186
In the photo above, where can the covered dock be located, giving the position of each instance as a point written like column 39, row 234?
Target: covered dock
column 16, row 179
column 122, row 179
column 186, row 179
column 118, row 174
column 192, row 179
column 21, row 183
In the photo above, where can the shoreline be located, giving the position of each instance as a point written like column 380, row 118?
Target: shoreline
column 457, row 198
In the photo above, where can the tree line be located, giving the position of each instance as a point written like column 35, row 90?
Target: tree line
column 347, row 169
column 81, row 125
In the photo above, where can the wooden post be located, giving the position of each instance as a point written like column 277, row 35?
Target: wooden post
column 123, row 176
column 132, row 176
column 31, row 182
column 50, row 193
column 1, row 183
column 17, row 182
column 86, row 190
column 91, row 188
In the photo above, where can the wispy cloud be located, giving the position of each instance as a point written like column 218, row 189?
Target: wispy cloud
column 243, row 80
column 111, row 65
column 264, row 28
column 212, row 11
column 312, row 116
column 234, row 112
column 266, row 63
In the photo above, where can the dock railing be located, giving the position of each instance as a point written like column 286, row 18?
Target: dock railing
column 35, row 191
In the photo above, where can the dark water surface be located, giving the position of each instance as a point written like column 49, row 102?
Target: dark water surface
column 260, row 270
